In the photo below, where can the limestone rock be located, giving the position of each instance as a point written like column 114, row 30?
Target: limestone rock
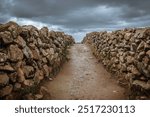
column 146, row 73
column 15, row 54
column 7, row 68
column 20, row 41
column 39, row 75
column 148, row 54
column 141, row 55
column 27, row 52
column 4, row 79
column 28, row 71
column 3, row 57
column 6, row 90
column 21, row 77
column 142, row 84
column 44, row 91
column 35, row 54
column 141, row 46
column 17, row 86
column 13, row 76
column 28, row 83
column 6, row 37
column 125, row 53
column 140, row 33
column 27, row 56
column 38, row 96
column 29, row 96
column 130, row 59
column 46, row 70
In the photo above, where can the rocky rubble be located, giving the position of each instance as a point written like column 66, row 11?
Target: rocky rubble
column 125, row 53
column 27, row 56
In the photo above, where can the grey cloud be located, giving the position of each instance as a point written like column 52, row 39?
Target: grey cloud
column 79, row 16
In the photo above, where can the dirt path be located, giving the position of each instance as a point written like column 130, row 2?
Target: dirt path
column 84, row 78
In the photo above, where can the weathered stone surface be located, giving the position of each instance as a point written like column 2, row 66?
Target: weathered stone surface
column 28, row 83
column 35, row 54
column 28, row 71
column 3, row 57
column 5, row 27
column 135, row 71
column 141, row 84
column 140, row 33
column 140, row 56
column 4, row 79
column 27, row 56
column 148, row 53
column 146, row 73
column 27, row 52
column 46, row 70
column 20, row 74
column 7, row 68
column 6, row 90
column 38, row 96
column 17, row 86
column 141, row 46
column 20, row 41
column 29, row 96
column 39, row 75
column 6, row 37
column 124, row 52
column 130, row 59
column 13, row 76
column 44, row 91
column 15, row 54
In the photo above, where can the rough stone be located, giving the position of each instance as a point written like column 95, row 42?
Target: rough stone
column 39, row 75
column 6, row 37
column 20, row 74
column 28, row 71
column 3, row 57
column 125, row 53
column 6, row 90
column 27, row 52
column 15, row 54
column 13, row 76
column 38, row 96
column 141, row 46
column 146, row 73
column 35, row 54
column 20, row 41
column 44, row 91
column 130, row 59
column 17, row 86
column 46, row 71
column 28, row 83
column 141, row 55
column 27, row 56
column 7, row 68
column 142, row 84
column 4, row 79
column 148, row 54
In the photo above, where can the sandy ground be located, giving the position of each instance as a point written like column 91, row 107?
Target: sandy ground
column 83, row 77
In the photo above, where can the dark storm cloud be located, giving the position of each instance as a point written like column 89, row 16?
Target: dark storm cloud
column 78, row 16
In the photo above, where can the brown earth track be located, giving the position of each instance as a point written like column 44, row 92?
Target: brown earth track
column 84, row 78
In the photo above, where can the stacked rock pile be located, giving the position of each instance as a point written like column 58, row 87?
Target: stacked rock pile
column 28, row 55
column 126, row 53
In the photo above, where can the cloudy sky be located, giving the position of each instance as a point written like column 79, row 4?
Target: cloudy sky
column 77, row 17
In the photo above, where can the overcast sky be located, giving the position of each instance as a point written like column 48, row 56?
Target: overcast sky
column 77, row 17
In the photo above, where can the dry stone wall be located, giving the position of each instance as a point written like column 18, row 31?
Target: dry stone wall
column 125, row 53
column 27, row 56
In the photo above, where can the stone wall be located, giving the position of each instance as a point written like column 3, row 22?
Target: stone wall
column 27, row 56
column 125, row 53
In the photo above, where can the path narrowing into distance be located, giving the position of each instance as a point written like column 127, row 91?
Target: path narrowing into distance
column 83, row 77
